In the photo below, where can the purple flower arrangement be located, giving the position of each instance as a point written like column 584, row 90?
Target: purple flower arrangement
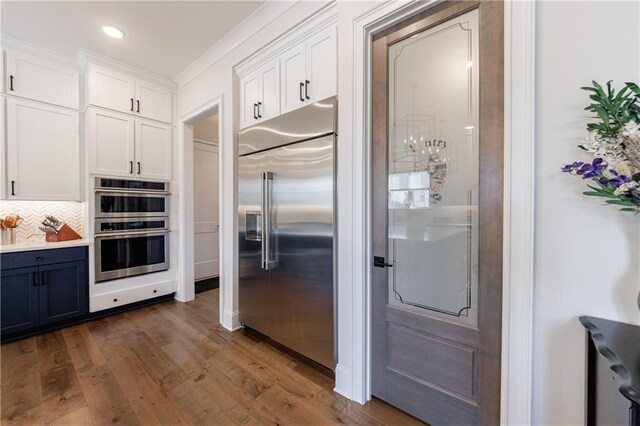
column 614, row 141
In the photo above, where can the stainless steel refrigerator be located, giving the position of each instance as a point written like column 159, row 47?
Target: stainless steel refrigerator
column 286, row 179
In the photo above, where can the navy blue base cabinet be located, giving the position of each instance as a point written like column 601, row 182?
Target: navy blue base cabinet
column 42, row 289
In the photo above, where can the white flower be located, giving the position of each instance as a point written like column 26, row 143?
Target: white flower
column 609, row 149
column 625, row 187
column 631, row 131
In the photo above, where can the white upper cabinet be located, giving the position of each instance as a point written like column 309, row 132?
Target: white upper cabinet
column 111, row 143
column 322, row 66
column 249, row 95
column 260, row 94
column 153, row 101
column 41, row 80
column 43, row 151
column 293, row 77
column 309, row 71
column 111, row 89
column 153, row 150
column 121, row 92
column 125, row 146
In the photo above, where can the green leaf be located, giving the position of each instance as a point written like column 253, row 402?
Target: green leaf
column 596, row 194
column 629, row 209
column 620, row 202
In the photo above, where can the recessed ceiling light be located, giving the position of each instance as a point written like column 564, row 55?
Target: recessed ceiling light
column 112, row 31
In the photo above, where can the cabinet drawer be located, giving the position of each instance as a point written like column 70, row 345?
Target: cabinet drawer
column 42, row 257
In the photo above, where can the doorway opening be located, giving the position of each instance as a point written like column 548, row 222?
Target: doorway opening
column 206, row 225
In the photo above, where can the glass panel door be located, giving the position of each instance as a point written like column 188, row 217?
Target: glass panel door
column 434, row 171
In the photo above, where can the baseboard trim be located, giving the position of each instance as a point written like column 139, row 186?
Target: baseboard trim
column 343, row 381
column 231, row 320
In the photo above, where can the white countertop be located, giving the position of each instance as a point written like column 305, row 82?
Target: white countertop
column 41, row 245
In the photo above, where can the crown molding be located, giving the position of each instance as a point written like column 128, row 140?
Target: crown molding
column 324, row 18
column 11, row 43
column 85, row 57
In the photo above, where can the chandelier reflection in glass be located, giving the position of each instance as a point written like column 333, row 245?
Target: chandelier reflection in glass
column 421, row 146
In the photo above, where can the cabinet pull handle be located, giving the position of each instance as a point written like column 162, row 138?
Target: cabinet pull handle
column 131, row 167
column 138, row 102
column 306, row 89
column 13, row 188
column 259, row 103
column 43, row 276
column 11, row 83
column 138, row 167
column 36, row 283
column 131, row 104
column 301, row 87
column 255, row 114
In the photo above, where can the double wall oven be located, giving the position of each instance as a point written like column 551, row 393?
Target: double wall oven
column 131, row 228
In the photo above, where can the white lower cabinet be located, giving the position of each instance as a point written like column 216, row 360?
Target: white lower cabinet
column 43, row 152
column 124, row 146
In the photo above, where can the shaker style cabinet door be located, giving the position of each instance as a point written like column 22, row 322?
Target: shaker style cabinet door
column 41, row 80
column 111, row 89
column 322, row 67
column 18, row 299
column 293, row 78
column 153, row 150
column 269, row 100
column 111, row 143
column 43, row 152
column 63, row 291
column 249, row 97
column 153, row 101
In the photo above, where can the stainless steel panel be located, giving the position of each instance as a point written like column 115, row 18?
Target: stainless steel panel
column 310, row 122
column 295, row 304
column 131, row 195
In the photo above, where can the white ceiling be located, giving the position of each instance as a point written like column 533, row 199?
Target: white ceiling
column 160, row 37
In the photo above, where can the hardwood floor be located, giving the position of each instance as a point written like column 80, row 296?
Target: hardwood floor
column 169, row 364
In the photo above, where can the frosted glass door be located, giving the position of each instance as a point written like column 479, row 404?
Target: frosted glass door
column 434, row 172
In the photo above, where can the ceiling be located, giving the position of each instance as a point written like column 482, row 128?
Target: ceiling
column 162, row 37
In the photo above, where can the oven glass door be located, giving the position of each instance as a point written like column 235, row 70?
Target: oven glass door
column 119, row 256
column 115, row 204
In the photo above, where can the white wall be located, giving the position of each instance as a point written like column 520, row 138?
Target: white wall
column 587, row 256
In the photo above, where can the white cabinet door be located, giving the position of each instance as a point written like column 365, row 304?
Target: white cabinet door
column 249, row 97
column 153, row 101
column 206, row 227
column 153, row 150
column 43, row 151
column 111, row 143
column 322, row 67
column 111, row 89
column 293, row 65
column 41, row 80
column 269, row 90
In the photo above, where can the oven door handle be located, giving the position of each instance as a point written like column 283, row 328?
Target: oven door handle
column 139, row 193
column 131, row 234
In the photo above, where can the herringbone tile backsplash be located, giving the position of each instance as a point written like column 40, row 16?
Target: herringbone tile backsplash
column 34, row 213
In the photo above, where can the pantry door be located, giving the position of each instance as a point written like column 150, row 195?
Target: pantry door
column 437, row 201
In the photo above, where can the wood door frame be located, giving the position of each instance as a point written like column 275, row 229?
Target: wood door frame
column 491, row 134
column 352, row 374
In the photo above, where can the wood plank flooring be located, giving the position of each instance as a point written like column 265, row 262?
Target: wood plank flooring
column 169, row 364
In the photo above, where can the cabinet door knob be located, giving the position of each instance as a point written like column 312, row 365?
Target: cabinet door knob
column 115, row 300
column 255, row 114
column 259, row 103
column 138, row 167
column 131, row 104
column 138, row 102
column 13, row 187
column 301, row 87
column 155, row 291
column 131, row 167
column 11, row 83
column 306, row 89
column 39, row 258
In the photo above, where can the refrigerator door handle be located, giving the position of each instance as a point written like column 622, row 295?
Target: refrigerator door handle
column 267, row 262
